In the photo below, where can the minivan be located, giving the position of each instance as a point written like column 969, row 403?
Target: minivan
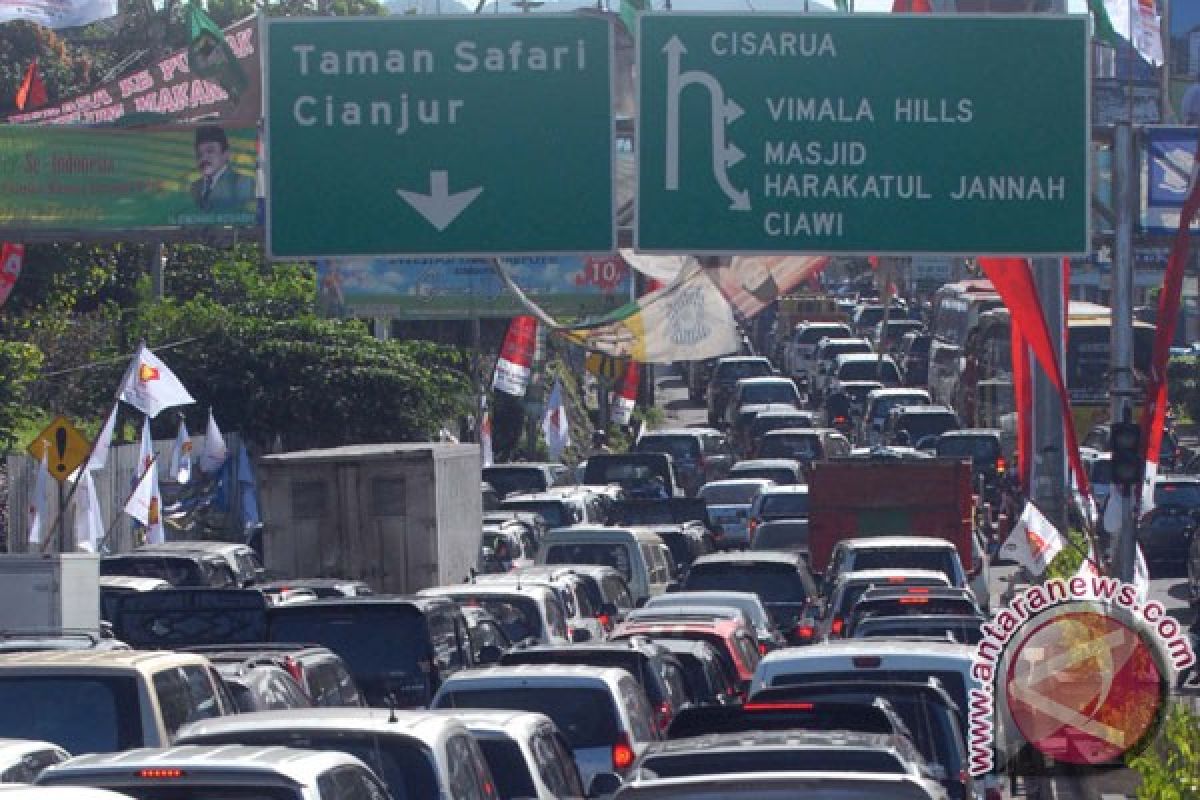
column 638, row 554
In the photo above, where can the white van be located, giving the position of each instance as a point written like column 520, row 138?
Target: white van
column 637, row 553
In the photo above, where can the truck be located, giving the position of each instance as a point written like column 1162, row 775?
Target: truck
column 792, row 309
column 50, row 592
column 854, row 498
column 401, row 517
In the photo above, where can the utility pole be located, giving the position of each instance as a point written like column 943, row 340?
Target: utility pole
column 1125, row 198
column 1049, row 479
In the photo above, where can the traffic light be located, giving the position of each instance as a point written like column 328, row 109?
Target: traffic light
column 1126, row 444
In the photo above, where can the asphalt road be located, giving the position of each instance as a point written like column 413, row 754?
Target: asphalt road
column 1167, row 587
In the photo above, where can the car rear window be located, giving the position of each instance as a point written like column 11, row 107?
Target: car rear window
column 773, row 583
column 607, row 554
column 556, row 514
column 963, row 631
column 586, row 717
column 517, row 615
column 781, row 536
column 773, row 423
column 631, row 661
column 868, row 370
column 815, row 333
column 508, row 766
column 1177, row 494
column 938, row 560
column 734, row 371
column 885, row 404
column 913, row 606
column 789, row 505
column 921, row 425
column 175, row 571
column 729, row 494
column 826, row 759
column 800, row 446
column 783, row 477
column 681, row 448
column 81, row 714
column 764, row 393
column 765, row 716
column 953, row 681
column 404, row 763
column 977, row 448
column 509, row 480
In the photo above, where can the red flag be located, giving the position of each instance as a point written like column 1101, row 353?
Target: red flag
column 626, row 397
column 32, row 91
column 1023, row 400
column 516, row 357
column 1013, row 281
column 12, row 256
column 912, row 5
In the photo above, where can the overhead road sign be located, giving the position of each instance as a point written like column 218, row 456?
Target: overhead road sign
column 462, row 136
column 854, row 134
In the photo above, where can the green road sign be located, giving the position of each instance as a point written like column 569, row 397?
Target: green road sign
column 919, row 134
column 439, row 136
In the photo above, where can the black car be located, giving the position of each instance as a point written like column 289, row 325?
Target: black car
column 320, row 672
column 1166, row 531
column 983, row 446
column 913, row 357
column 518, row 477
column 781, row 580
column 261, row 687
column 708, row 678
column 180, row 569
column 725, row 375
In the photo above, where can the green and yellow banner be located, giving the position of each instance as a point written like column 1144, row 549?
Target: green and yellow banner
column 67, row 179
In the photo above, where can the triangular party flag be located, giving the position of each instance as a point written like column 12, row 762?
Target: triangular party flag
column 1034, row 541
column 555, row 425
column 99, row 455
column 31, row 94
column 145, row 505
column 215, row 452
column 38, row 512
column 485, row 436
column 181, row 455
column 150, row 386
column 89, row 524
column 145, row 452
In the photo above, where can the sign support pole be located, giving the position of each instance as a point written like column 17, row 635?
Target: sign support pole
column 1123, row 541
column 1049, row 484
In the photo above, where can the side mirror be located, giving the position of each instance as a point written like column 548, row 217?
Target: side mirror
column 604, row 784
column 580, row 635
column 489, row 654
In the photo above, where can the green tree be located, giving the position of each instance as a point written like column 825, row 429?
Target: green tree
column 19, row 364
column 1170, row 766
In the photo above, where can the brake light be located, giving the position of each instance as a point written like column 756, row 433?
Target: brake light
column 762, row 648
column 913, row 601
column 838, row 420
column 836, row 627
column 605, row 620
column 866, row 662
column 897, row 579
column 622, row 754
column 1001, row 465
column 917, row 590
column 155, row 774
column 664, row 716
column 805, row 632
column 751, row 527
column 778, row 707
column 294, row 669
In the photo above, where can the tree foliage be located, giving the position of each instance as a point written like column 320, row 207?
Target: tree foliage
column 1170, row 766
column 19, row 364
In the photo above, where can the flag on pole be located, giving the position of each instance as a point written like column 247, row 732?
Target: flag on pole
column 516, row 357
column 181, row 455
column 145, row 505
column 89, row 524
column 150, row 386
column 1141, row 575
column 1135, row 21
column 1034, row 541
column 555, row 425
column 215, row 452
column 485, row 435
column 31, row 93
column 145, row 452
column 920, row 6
column 38, row 511
column 626, row 395
column 209, row 54
column 99, row 455
column 12, row 256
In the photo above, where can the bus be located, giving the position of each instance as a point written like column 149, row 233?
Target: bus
column 981, row 399
column 956, row 310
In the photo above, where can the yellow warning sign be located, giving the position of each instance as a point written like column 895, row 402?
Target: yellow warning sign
column 66, row 448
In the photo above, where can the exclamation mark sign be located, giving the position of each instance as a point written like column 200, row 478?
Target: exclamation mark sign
column 60, row 444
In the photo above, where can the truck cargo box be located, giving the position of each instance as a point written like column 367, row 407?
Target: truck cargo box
column 50, row 592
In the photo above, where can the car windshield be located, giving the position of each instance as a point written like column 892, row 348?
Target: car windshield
column 773, row 583
column 404, row 763
column 869, row 370
column 781, row 536
column 921, row 425
column 510, row 480
column 556, row 514
column 176, row 571
column 586, row 717
column 825, row 759
column 1177, row 494
column 385, row 646
column 608, row 554
column 80, row 714
column 763, row 393
column 938, row 559
column 508, row 766
column 784, row 505
column 977, row 448
column 681, row 448
column 729, row 494
column 733, row 371
column 800, row 446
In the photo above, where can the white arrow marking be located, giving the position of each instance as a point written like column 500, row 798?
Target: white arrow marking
column 439, row 206
column 733, row 155
column 674, row 49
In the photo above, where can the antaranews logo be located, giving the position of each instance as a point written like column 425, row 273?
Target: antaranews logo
column 1078, row 669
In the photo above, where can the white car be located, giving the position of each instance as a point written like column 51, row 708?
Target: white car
column 22, row 760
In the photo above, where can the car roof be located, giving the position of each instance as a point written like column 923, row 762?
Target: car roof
column 797, row 488
column 546, row 496
column 298, row 765
column 962, row 433
column 765, row 379
column 757, row 556
column 531, row 588
column 421, row 602
column 762, row 482
column 795, row 431
column 767, row 463
column 897, row 391
column 677, row 432
column 490, row 722
column 778, row 661
column 86, row 660
column 891, row 573
column 526, row 465
column 194, row 546
column 780, row 785
column 797, row 738
column 925, row 409
column 737, row 359
column 429, row 727
column 14, row 748
column 892, row 542
column 610, row 533
column 840, row 340
column 134, row 582
column 547, row 675
column 862, row 357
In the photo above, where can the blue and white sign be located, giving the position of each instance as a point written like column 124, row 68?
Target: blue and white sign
column 1168, row 167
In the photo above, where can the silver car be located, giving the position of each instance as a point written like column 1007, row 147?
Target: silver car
column 729, row 503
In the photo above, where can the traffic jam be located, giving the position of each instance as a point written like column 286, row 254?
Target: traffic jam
column 779, row 591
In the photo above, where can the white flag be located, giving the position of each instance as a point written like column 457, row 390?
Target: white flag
column 181, row 455
column 1149, row 476
column 214, row 453
column 89, row 524
column 485, row 436
column 1114, row 510
column 38, row 511
column 145, row 452
column 1138, row 22
column 1033, row 542
column 150, row 386
column 145, row 505
column 99, row 456
column 1141, row 576
column 555, row 425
